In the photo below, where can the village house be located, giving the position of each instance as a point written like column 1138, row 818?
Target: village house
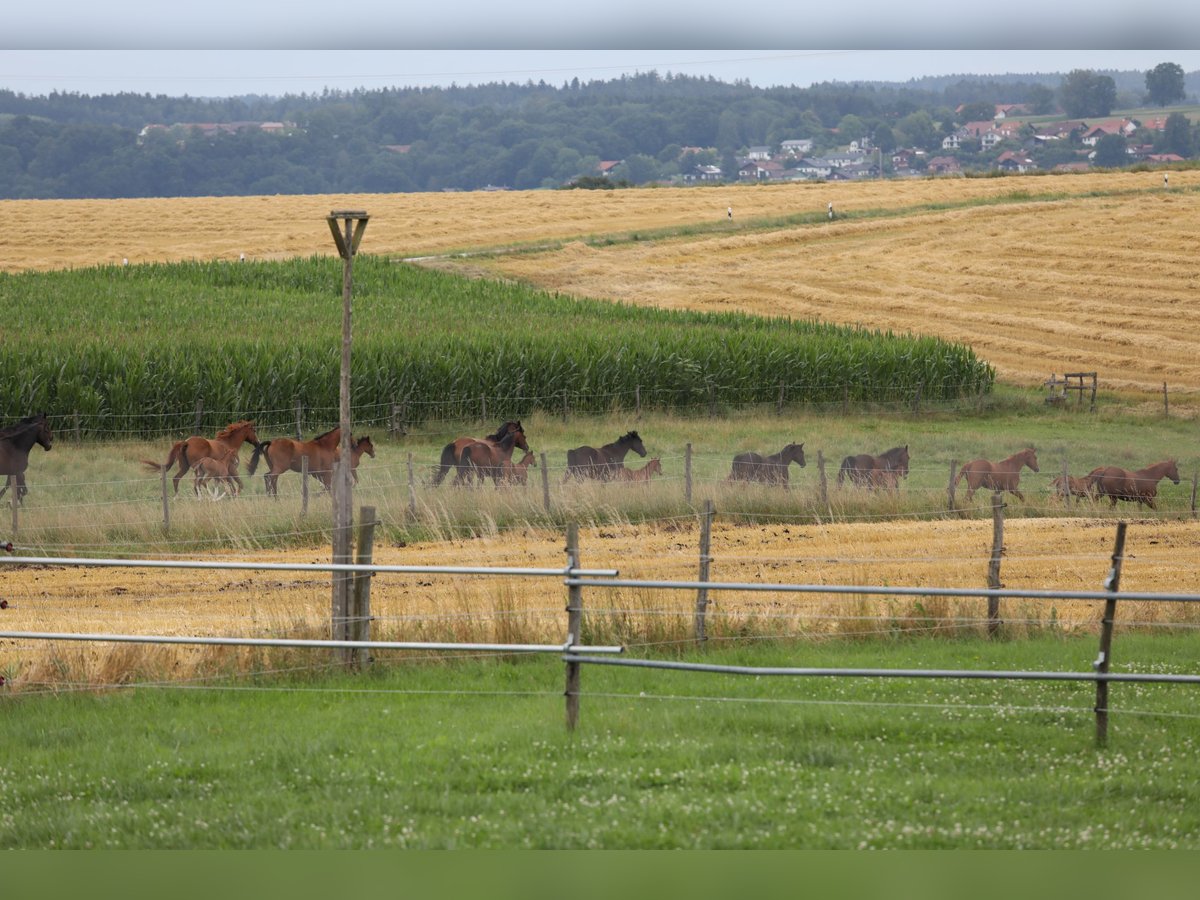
column 762, row 153
column 796, row 148
column 702, row 174
column 1123, row 127
column 944, row 165
column 1015, row 161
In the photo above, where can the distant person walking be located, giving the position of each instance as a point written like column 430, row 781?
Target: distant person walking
column 1164, row 179
column 830, row 210
column 729, row 212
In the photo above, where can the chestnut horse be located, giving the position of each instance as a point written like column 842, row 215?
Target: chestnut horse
column 771, row 469
column 15, row 444
column 870, row 471
column 1116, row 483
column 603, row 463
column 642, row 475
column 1002, row 476
column 518, row 472
column 195, row 447
column 213, row 472
column 483, row 459
column 453, row 450
column 1070, row 486
column 357, row 449
column 286, row 455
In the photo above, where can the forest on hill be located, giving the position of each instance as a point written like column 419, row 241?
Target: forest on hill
column 518, row 136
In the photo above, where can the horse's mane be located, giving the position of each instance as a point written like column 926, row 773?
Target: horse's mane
column 632, row 436
column 231, row 428
column 506, row 428
column 326, row 434
column 26, row 424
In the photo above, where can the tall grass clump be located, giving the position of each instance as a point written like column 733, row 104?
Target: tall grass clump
column 130, row 350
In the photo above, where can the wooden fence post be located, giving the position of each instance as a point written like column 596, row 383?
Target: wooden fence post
column 304, row 485
column 950, row 488
column 358, row 617
column 1195, row 479
column 1166, row 403
column 574, row 626
column 545, row 484
column 637, row 401
column 199, row 415
column 1104, row 660
column 1066, row 485
column 917, row 398
column 687, row 474
column 993, row 605
column 412, row 490
column 483, row 409
column 78, row 430
column 299, row 421
column 165, row 500
column 13, row 494
column 823, row 485
column 705, row 560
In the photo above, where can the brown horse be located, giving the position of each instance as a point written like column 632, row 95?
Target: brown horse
column 217, row 473
column 483, row 459
column 518, row 472
column 286, row 455
column 1002, row 476
column 642, row 475
column 603, row 463
column 864, row 469
column 453, row 450
column 195, row 447
column 771, row 469
column 15, row 444
column 1070, row 486
column 357, row 449
column 1116, row 483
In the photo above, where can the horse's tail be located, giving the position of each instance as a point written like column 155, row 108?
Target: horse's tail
column 444, row 464
column 259, row 450
column 179, row 451
column 847, row 464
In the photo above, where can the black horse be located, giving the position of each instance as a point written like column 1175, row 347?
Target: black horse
column 872, row 471
column 15, row 444
column 452, row 452
column 771, row 469
column 602, row 463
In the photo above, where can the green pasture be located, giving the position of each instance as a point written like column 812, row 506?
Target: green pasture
column 476, row 754
column 129, row 351
column 97, row 497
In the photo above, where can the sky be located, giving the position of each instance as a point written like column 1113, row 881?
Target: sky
column 232, row 47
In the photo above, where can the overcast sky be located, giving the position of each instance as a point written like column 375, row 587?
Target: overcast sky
column 229, row 47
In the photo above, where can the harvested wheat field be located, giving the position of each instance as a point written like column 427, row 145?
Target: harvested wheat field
column 1069, row 554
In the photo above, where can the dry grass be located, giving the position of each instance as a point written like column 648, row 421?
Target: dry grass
column 1070, row 554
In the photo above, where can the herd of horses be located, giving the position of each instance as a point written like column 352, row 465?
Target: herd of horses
column 216, row 464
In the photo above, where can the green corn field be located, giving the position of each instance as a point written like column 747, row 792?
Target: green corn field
column 158, row 349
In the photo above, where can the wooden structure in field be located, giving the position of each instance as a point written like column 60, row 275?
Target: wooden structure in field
column 1059, row 391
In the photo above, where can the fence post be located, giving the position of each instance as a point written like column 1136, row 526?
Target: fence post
column 16, row 490
column 1066, row 485
column 303, row 485
column 1195, row 479
column 993, row 605
column 950, row 488
column 1104, row 660
column 78, row 430
column 1166, row 403
column 394, row 419
column 299, row 421
column 359, row 615
column 199, row 415
column 705, row 560
column 712, row 400
column 637, row 401
column 917, row 398
column 412, row 490
column 564, row 406
column 845, row 399
column 165, row 500
column 482, row 408
column 687, row 474
column 574, row 626
column 545, row 484
column 823, row 485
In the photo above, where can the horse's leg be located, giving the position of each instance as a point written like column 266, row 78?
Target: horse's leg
column 1018, row 495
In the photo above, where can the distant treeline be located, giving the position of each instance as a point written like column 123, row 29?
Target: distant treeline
column 520, row 136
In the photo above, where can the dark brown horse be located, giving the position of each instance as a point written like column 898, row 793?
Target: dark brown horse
column 286, row 455
column 603, row 463
column 484, row 459
column 873, row 471
column 185, row 452
column 1116, row 483
column 453, row 450
column 1002, row 476
column 15, row 444
column 771, row 469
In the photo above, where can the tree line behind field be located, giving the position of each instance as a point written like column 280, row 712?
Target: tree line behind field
column 519, row 136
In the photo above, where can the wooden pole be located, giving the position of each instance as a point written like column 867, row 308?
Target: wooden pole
column 16, row 490
column 482, row 408
column 545, row 484
column 993, row 604
column 299, row 421
column 1066, row 485
column 637, row 401
column 1166, row 403
column 304, row 485
column 165, row 500
column 574, row 626
column 705, row 560
column 360, row 613
column 687, row 474
column 1092, row 406
column 1195, row 479
column 823, row 485
column 412, row 490
column 1104, row 660
column 78, row 430
column 199, row 415
column 951, row 503
column 779, row 404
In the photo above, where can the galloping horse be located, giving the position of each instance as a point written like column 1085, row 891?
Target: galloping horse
column 195, row 447
column 1070, row 486
column 1002, row 476
column 453, row 450
column 216, row 471
column 518, row 472
column 873, row 471
column 15, row 444
column 483, row 459
column 603, row 463
column 1121, row 484
column 771, row 469
column 286, row 455
column 642, row 475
